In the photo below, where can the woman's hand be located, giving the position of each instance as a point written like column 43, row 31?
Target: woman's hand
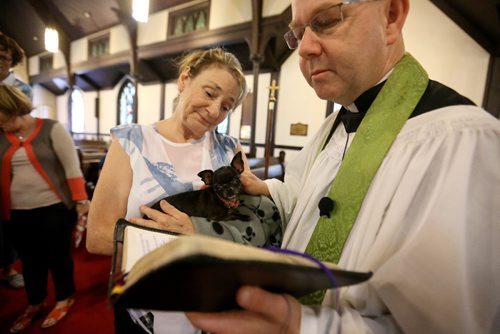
column 263, row 312
column 252, row 185
column 82, row 207
column 170, row 219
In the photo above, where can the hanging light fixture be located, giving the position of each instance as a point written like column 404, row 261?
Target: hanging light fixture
column 51, row 40
column 140, row 10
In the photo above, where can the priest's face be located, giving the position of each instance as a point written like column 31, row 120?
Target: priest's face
column 342, row 49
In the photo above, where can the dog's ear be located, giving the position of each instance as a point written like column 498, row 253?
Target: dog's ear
column 237, row 163
column 207, row 176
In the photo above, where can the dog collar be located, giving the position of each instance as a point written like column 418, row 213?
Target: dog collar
column 230, row 204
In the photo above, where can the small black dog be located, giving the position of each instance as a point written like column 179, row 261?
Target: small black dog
column 219, row 200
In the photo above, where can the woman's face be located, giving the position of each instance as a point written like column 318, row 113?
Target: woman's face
column 5, row 63
column 205, row 100
column 9, row 124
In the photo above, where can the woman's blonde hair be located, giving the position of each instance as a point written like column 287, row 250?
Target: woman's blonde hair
column 13, row 102
column 199, row 60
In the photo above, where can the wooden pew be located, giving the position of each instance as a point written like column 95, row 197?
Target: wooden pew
column 91, row 153
column 276, row 167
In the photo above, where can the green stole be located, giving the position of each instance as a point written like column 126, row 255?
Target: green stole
column 380, row 126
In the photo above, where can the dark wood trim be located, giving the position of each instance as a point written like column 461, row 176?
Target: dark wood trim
column 274, row 76
column 162, row 100
column 288, row 147
column 468, row 26
column 491, row 100
column 97, row 105
column 118, row 58
column 159, row 5
column 48, row 75
column 89, row 81
column 284, row 147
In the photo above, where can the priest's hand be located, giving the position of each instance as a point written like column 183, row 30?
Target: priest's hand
column 171, row 219
column 252, row 185
column 263, row 312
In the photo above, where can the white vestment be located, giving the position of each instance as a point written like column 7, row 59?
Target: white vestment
column 428, row 228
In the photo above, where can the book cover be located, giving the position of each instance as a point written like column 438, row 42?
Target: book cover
column 201, row 273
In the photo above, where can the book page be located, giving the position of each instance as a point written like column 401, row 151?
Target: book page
column 138, row 242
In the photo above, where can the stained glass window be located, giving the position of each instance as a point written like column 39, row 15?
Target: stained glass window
column 46, row 62
column 126, row 99
column 99, row 46
column 189, row 19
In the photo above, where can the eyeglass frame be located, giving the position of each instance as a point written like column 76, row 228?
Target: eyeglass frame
column 291, row 38
column 5, row 59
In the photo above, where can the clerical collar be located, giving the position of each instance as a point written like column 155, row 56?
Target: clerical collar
column 352, row 116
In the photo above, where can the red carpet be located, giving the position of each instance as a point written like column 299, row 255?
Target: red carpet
column 90, row 313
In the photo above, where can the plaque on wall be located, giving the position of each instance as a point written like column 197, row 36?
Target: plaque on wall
column 298, row 129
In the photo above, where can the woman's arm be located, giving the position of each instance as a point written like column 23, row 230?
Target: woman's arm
column 65, row 151
column 109, row 202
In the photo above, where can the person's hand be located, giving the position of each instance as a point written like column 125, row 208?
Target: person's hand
column 252, row 185
column 263, row 312
column 81, row 225
column 82, row 207
column 170, row 219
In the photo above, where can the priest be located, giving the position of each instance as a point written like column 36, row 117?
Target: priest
column 403, row 181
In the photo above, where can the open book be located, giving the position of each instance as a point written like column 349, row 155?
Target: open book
column 201, row 273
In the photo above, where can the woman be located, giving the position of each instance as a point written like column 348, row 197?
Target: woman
column 146, row 163
column 11, row 54
column 41, row 184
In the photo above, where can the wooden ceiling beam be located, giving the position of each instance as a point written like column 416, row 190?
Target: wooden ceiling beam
column 45, row 14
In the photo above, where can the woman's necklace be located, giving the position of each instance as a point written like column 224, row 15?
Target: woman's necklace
column 21, row 133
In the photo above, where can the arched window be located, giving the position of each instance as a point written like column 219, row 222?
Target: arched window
column 77, row 111
column 126, row 103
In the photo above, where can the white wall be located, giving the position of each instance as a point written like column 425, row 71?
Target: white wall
column 170, row 94
column 45, row 102
column 224, row 13
column 89, row 99
column 261, row 121
column 58, row 60
column 79, row 50
column 148, row 110
column 274, row 7
column 298, row 103
column 62, row 110
column 21, row 71
column 155, row 30
column 118, row 39
column 449, row 55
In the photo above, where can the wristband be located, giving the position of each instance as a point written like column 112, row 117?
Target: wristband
column 83, row 202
